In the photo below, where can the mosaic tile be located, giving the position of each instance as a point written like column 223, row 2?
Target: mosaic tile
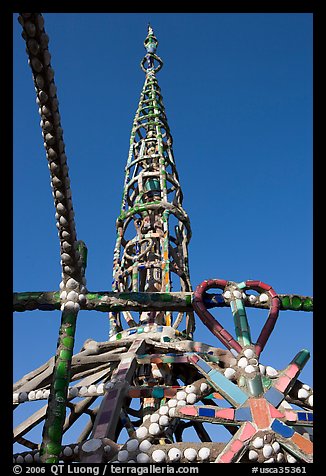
column 282, row 429
column 206, row 412
column 260, row 412
column 274, row 396
column 243, row 414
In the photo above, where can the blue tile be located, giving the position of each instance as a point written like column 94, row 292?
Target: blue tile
column 310, row 416
column 302, row 416
column 132, row 331
column 226, row 387
column 243, row 414
column 282, row 429
column 203, row 365
column 208, row 412
column 274, row 396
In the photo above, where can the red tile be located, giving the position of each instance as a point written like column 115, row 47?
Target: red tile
column 247, row 432
column 275, row 413
column 303, row 443
column 236, row 446
column 292, row 370
column 227, row 457
column 282, row 383
column 188, row 410
column 227, row 413
column 260, row 412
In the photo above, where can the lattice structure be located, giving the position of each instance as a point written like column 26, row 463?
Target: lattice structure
column 176, row 381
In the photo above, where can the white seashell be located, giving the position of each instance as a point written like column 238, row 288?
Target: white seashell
column 271, row 372
column 83, row 391
column 172, row 412
column 203, row 387
column 227, row 294
column 306, row 386
column 191, row 398
column 46, row 394
column 72, row 296
column 158, row 456
column 229, row 373
column 249, row 353
column 262, row 369
column 190, row 454
column 155, row 417
column 280, row 457
column 311, row 400
column 181, row 403
column 31, row 395
column 68, row 451
column 100, row 389
column 249, row 369
column 15, row 397
column 174, row 454
column 263, row 297
column 276, row 446
column 76, row 307
column 190, row 389
column 302, row 394
column 291, row 459
column 92, row 389
column 204, row 453
column 253, row 455
column 286, row 404
column 242, row 362
column 28, row 458
column 164, row 410
column 258, row 442
column 237, row 294
column 252, row 298
column 154, row 429
column 69, row 306
column 63, row 295
column 39, row 395
column 172, row 403
column 132, row 444
column 145, row 446
column 267, row 451
column 270, row 460
column 123, row 455
column 181, row 395
column 164, row 420
column 143, row 458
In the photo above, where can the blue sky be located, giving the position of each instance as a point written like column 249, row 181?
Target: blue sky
column 237, row 90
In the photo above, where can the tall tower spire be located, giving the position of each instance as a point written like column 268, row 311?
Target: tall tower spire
column 153, row 230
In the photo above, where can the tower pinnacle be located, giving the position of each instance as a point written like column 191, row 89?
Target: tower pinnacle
column 151, row 62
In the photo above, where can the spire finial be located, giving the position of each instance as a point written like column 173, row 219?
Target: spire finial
column 151, row 44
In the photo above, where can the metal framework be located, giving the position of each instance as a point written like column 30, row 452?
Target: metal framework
column 176, row 382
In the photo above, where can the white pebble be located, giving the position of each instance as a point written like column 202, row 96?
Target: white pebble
column 72, row 296
column 164, row 410
column 229, row 373
column 67, row 451
column 258, row 442
column 204, row 453
column 191, row 398
column 276, row 446
column 190, row 389
column 100, row 389
column 63, row 295
column 123, row 455
column 31, row 395
column 92, row 389
column 267, row 451
column 72, row 283
column 271, row 372
column 69, row 306
column 172, row 403
column 132, row 444
column 164, row 420
column 190, row 454
column 83, row 391
column 253, row 455
column 249, row 369
column 154, row 429
column 145, row 446
column 39, row 395
column 242, row 362
column 181, row 395
column 302, row 394
column 174, row 454
column 203, row 387
column 263, row 297
column 46, row 394
column 249, row 353
column 143, row 458
column 158, row 456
